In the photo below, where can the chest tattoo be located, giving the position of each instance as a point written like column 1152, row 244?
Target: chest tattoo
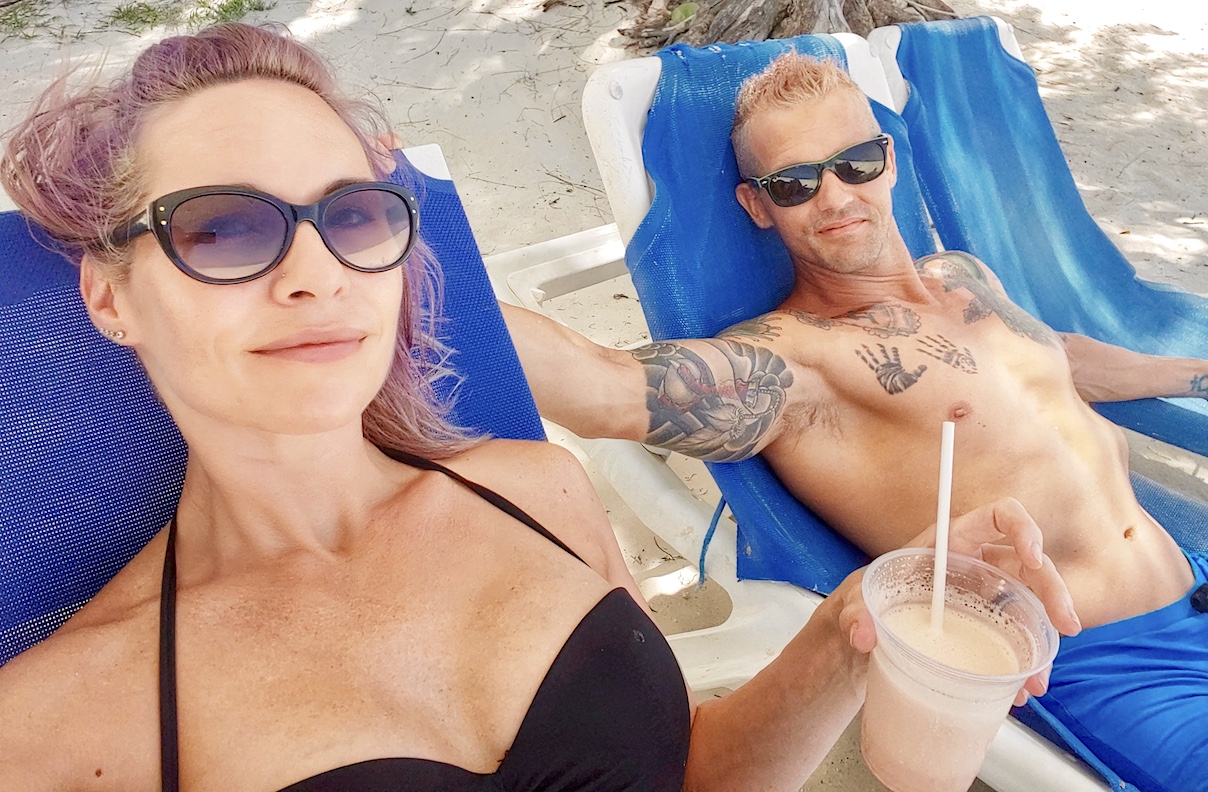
column 945, row 351
column 888, row 369
column 883, row 321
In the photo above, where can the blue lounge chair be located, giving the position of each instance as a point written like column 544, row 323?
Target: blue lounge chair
column 90, row 464
column 698, row 264
column 997, row 185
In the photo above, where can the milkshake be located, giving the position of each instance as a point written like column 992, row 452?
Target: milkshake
column 936, row 698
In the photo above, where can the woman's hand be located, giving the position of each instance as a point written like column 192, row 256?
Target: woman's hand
column 1000, row 533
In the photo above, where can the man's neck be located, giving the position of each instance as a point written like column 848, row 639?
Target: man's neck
column 825, row 292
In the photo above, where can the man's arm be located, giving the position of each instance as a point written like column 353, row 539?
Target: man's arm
column 1104, row 372
column 718, row 399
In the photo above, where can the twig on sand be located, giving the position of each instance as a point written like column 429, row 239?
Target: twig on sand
column 570, row 183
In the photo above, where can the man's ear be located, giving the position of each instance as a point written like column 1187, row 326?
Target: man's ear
column 749, row 197
column 99, row 298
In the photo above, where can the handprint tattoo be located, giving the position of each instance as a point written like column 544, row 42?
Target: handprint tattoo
column 888, row 368
column 945, row 351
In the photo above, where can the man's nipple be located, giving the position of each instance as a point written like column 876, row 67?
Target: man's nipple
column 959, row 410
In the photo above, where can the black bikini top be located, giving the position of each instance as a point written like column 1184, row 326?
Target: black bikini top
column 611, row 714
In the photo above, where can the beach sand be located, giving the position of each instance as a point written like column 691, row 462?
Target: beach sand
column 497, row 83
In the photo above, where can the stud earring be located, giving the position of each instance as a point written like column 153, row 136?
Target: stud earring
column 113, row 335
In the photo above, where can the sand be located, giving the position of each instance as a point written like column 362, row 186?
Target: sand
column 497, row 83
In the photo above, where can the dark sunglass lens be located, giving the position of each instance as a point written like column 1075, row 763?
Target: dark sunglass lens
column 861, row 163
column 793, row 186
column 370, row 229
column 227, row 237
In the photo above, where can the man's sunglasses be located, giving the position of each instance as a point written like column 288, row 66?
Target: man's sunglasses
column 235, row 234
column 796, row 184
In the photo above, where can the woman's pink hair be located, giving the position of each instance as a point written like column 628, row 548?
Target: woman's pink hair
column 72, row 166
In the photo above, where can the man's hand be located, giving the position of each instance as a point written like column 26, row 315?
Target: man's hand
column 1001, row 533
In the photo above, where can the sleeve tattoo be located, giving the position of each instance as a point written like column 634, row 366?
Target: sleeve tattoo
column 715, row 413
column 960, row 271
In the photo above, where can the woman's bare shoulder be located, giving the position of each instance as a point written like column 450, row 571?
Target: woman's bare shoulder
column 78, row 699
column 546, row 481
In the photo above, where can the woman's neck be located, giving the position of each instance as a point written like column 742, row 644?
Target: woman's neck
column 252, row 497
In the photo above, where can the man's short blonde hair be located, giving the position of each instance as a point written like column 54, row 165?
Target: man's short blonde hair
column 789, row 80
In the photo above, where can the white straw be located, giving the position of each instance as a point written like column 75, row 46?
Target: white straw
column 943, row 512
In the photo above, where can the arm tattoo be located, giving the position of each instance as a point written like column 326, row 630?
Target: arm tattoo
column 883, row 321
column 953, row 265
column 892, row 375
column 760, row 328
column 720, row 413
column 945, row 351
column 1199, row 386
column 960, row 271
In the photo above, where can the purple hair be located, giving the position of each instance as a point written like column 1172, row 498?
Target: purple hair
column 72, row 166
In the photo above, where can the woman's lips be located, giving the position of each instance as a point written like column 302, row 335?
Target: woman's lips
column 326, row 352
column 315, row 345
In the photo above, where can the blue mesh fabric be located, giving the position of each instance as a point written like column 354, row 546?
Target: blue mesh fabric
column 90, row 464
column 997, row 185
column 700, row 265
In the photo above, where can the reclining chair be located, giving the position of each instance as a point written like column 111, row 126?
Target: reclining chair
column 660, row 130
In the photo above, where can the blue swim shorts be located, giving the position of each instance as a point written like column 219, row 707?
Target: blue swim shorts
column 1136, row 693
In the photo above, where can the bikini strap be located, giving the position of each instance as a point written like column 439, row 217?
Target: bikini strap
column 489, row 495
column 169, row 743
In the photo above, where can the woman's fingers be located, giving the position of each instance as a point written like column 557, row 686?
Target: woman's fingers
column 1036, row 685
column 856, row 623
column 1044, row 581
column 854, row 619
column 990, row 524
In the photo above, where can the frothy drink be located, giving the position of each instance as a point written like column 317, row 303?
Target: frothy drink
column 967, row 642
column 936, row 699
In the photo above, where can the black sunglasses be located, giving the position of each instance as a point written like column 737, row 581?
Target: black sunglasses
column 796, row 184
column 235, row 234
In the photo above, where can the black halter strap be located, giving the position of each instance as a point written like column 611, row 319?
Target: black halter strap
column 490, row 496
column 169, row 745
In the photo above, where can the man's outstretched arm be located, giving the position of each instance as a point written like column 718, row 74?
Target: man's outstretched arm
column 1104, row 372
column 718, row 399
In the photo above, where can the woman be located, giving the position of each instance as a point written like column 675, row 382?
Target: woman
column 328, row 609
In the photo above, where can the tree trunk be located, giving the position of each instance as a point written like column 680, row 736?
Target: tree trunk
column 658, row 23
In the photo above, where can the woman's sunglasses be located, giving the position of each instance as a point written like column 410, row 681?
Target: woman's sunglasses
column 796, row 184
column 234, row 234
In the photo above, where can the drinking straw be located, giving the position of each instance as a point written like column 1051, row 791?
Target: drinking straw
column 943, row 512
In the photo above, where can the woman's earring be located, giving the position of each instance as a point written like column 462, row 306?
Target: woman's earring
column 113, row 335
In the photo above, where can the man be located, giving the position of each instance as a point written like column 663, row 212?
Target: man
column 843, row 387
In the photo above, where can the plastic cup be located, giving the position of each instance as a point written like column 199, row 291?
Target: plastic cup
column 928, row 721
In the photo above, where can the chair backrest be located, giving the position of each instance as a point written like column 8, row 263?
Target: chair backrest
column 90, row 463
column 699, row 265
column 997, row 185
